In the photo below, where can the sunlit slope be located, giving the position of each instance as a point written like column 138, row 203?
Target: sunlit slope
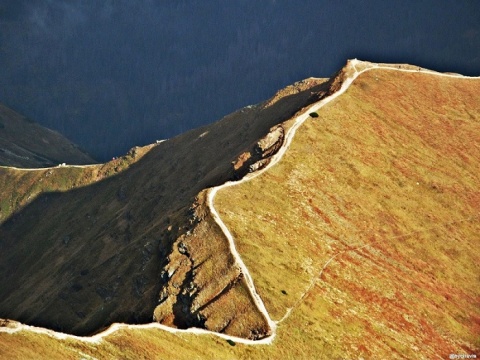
column 395, row 284
column 386, row 179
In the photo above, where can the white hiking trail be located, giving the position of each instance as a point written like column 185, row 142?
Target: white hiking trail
column 299, row 120
column 60, row 166
column 64, row 165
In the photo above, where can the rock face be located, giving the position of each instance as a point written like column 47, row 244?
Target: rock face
column 199, row 282
column 260, row 155
column 269, row 144
column 242, row 159
column 206, row 289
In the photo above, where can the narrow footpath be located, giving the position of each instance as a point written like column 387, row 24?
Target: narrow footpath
column 299, row 120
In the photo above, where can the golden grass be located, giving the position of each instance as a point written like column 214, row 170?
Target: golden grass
column 390, row 165
column 386, row 180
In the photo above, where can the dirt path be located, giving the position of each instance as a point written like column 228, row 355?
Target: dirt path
column 49, row 168
column 300, row 119
column 276, row 158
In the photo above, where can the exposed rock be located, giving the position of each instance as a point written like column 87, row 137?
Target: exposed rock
column 163, row 295
column 258, row 165
column 182, row 248
column 260, row 154
column 139, row 217
column 269, row 145
column 206, row 290
column 244, row 157
column 295, row 88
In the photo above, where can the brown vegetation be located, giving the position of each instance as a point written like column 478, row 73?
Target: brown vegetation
column 387, row 184
column 367, row 229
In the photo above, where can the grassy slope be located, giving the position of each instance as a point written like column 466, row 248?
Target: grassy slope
column 393, row 165
column 366, row 172
column 19, row 187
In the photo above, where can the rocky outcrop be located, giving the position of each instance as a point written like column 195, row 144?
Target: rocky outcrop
column 269, row 144
column 242, row 159
column 204, row 287
column 310, row 84
column 260, row 155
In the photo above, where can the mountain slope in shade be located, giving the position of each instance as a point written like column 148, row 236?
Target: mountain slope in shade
column 108, row 252
column 361, row 241
column 26, row 144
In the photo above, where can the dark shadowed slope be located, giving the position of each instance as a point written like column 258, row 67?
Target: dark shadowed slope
column 24, row 143
column 79, row 260
column 362, row 240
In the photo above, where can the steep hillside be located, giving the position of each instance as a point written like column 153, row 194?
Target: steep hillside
column 358, row 225
column 19, row 187
column 26, row 144
column 374, row 249
column 78, row 257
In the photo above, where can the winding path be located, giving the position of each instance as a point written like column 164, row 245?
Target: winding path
column 299, row 120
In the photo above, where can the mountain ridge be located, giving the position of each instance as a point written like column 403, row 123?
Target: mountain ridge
column 349, row 69
column 24, row 143
column 118, row 232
